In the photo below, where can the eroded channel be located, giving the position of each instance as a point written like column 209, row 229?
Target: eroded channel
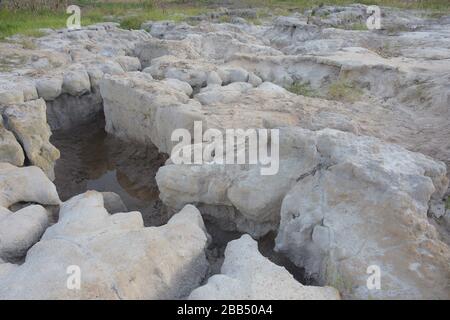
column 92, row 159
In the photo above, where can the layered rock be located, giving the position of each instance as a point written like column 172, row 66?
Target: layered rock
column 247, row 275
column 28, row 122
column 366, row 205
column 334, row 190
column 144, row 110
column 10, row 149
column 64, row 69
column 167, row 262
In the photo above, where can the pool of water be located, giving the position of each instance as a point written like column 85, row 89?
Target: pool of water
column 91, row 159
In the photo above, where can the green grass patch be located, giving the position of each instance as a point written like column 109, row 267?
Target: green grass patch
column 131, row 13
column 25, row 22
column 307, row 4
column 135, row 20
column 344, row 91
column 303, row 89
column 358, row 26
column 336, row 279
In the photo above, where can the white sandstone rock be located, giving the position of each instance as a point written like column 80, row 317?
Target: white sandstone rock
column 28, row 121
column 144, row 110
column 113, row 203
column 230, row 75
column 194, row 72
column 223, row 94
column 149, row 51
column 10, row 93
column 29, row 90
column 254, row 80
column 179, row 85
column 49, row 88
column 76, row 81
column 20, row 230
column 213, row 79
column 111, row 67
column 129, row 63
column 28, row 184
column 247, row 275
column 366, row 205
column 116, row 256
column 272, row 87
column 10, row 149
column 335, row 191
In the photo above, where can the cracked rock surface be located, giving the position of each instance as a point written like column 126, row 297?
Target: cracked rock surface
column 162, row 263
column 246, row 274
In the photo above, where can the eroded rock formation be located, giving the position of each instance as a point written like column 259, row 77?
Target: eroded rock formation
column 363, row 119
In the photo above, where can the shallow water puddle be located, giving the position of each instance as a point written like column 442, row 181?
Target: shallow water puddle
column 93, row 160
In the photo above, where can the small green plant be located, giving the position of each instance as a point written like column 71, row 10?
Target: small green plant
column 225, row 19
column 28, row 43
column 435, row 14
column 358, row 26
column 147, row 4
column 303, row 89
column 344, row 91
column 255, row 21
column 132, row 22
column 336, row 279
column 384, row 50
column 447, row 203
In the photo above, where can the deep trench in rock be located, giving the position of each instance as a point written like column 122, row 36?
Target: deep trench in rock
column 92, row 159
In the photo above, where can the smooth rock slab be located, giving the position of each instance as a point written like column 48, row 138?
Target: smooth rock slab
column 117, row 257
column 49, row 88
column 113, row 203
column 20, row 230
column 76, row 81
column 27, row 184
column 247, row 275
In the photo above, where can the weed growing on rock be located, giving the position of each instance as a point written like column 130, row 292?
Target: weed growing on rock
column 303, row 89
column 344, row 91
